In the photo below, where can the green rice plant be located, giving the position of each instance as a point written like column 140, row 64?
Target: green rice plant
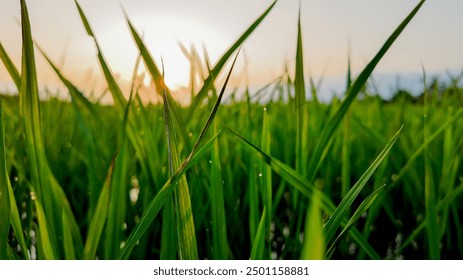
column 327, row 133
column 215, row 71
column 314, row 239
column 46, row 190
column 5, row 208
column 12, row 70
column 218, row 212
column 295, row 191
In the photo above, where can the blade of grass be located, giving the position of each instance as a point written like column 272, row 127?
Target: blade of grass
column 114, row 88
column 219, row 219
column 340, row 212
column 426, row 143
column 215, row 71
column 444, row 203
column 153, row 209
column 159, row 83
column 266, row 178
column 99, row 219
column 187, row 247
column 5, row 207
column 314, row 241
column 306, row 188
column 48, row 192
column 42, row 234
column 329, row 129
column 117, row 207
column 432, row 227
column 258, row 245
column 364, row 206
column 12, row 70
column 300, row 100
column 69, row 250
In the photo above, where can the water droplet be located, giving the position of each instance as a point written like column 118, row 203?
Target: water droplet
column 265, row 108
column 210, row 162
column 15, row 178
column 260, row 174
column 286, row 232
column 122, row 244
column 134, row 195
column 190, row 134
column 33, row 197
column 124, row 226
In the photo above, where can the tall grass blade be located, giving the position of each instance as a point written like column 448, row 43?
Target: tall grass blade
column 69, row 249
column 266, row 171
column 258, row 246
column 329, row 129
column 314, row 241
column 12, row 70
column 342, row 209
column 156, row 204
column 432, row 227
column 215, row 71
column 307, row 189
column 300, row 100
column 219, row 219
column 47, row 251
column 5, row 207
column 429, row 139
column 99, row 219
column 187, row 247
column 158, row 80
column 363, row 207
column 49, row 194
column 114, row 88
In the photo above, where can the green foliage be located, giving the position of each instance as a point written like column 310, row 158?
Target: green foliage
column 80, row 170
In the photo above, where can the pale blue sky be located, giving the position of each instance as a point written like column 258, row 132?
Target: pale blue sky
column 433, row 39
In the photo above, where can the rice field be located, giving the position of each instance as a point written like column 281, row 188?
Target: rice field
column 289, row 178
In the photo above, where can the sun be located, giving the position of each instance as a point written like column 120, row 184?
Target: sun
column 162, row 34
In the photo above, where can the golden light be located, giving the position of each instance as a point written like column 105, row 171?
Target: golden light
column 162, row 34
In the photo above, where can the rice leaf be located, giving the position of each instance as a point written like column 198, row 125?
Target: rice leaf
column 69, row 250
column 48, row 192
column 340, row 212
column 266, row 171
column 187, row 247
column 153, row 209
column 444, row 203
column 329, row 129
column 43, row 235
column 363, row 207
column 159, row 83
column 15, row 222
column 219, row 219
column 432, row 227
column 258, row 245
column 10, row 67
column 429, row 139
column 215, row 71
column 5, row 207
column 307, row 189
column 114, row 88
column 99, row 218
column 300, row 100
column 314, row 241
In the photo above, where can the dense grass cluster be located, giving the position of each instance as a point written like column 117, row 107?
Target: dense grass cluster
column 288, row 179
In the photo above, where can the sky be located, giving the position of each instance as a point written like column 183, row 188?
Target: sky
column 331, row 29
